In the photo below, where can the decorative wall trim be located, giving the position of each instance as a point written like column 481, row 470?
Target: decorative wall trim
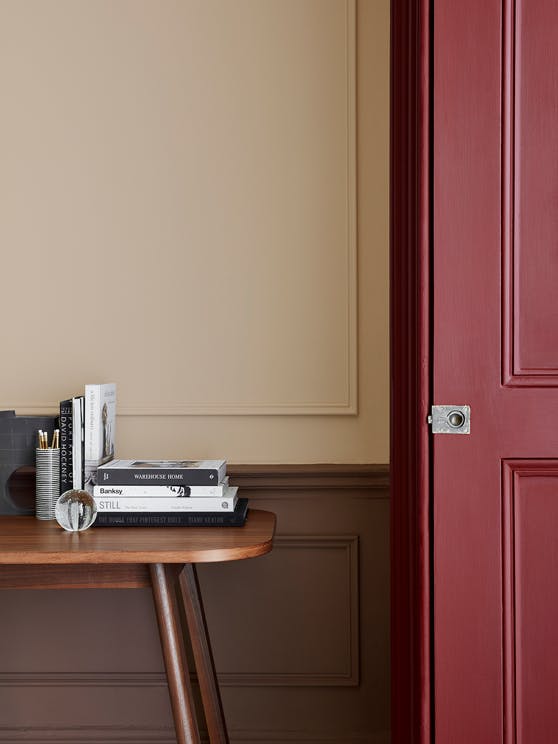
column 351, row 404
column 304, row 737
column 133, row 735
column 347, row 405
column 368, row 481
column 88, row 735
column 344, row 677
column 83, row 679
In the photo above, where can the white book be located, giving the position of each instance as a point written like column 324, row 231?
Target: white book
column 119, row 504
column 162, row 492
column 77, row 439
column 100, row 414
column 99, row 425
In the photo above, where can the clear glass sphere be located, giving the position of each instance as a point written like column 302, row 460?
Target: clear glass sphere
column 75, row 510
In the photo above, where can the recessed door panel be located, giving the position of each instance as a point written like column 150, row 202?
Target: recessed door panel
column 530, row 510
column 530, row 178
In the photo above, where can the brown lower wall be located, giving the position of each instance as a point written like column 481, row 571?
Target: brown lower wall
column 300, row 637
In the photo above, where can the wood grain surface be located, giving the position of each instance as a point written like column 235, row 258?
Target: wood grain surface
column 26, row 540
column 174, row 654
column 84, row 576
column 203, row 656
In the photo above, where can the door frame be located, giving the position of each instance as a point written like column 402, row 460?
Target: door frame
column 410, row 357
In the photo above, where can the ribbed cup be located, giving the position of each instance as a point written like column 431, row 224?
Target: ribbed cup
column 47, row 482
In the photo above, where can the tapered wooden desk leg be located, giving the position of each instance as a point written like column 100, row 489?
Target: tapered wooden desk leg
column 178, row 676
column 203, row 658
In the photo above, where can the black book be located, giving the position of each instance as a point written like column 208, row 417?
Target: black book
column 162, row 473
column 237, row 518
column 66, row 446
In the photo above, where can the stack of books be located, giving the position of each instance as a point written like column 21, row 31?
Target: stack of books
column 167, row 493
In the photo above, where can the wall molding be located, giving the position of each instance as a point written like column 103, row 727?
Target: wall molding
column 83, row 679
column 165, row 735
column 347, row 404
column 310, row 481
column 348, row 677
column 88, row 735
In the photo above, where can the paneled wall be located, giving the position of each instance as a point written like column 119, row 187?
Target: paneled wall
column 301, row 636
column 201, row 190
column 195, row 205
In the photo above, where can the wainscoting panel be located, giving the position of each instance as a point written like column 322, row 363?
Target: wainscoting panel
column 322, row 593
column 300, row 637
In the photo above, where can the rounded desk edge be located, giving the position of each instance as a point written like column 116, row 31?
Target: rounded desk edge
column 144, row 555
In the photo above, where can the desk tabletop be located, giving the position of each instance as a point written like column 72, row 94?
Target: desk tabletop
column 26, row 540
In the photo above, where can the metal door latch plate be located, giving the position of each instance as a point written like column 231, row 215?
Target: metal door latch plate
column 450, row 419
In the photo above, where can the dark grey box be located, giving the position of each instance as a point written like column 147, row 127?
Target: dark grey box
column 18, row 441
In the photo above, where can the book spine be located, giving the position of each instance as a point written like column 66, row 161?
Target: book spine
column 157, row 477
column 166, row 519
column 166, row 505
column 77, row 442
column 82, row 409
column 66, row 466
column 157, row 492
column 92, row 422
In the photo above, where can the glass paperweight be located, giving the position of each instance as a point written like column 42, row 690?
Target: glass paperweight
column 75, row 510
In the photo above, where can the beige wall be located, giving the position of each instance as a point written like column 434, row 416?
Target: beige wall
column 202, row 190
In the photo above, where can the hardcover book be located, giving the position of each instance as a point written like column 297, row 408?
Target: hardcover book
column 162, row 472
column 237, row 518
column 162, row 492
column 65, row 426
column 77, row 441
column 192, row 504
column 99, row 426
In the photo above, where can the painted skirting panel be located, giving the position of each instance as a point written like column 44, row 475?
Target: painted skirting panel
column 300, row 637
column 130, row 735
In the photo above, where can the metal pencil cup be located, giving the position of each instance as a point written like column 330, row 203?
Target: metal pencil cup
column 47, row 483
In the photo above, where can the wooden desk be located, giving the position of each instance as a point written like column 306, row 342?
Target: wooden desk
column 40, row 555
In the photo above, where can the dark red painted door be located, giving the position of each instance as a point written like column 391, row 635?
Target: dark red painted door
column 495, row 347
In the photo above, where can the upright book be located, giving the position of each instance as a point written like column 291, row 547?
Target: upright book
column 99, row 429
column 66, row 466
column 162, row 472
column 77, row 441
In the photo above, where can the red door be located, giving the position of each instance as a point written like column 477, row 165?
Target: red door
column 495, row 348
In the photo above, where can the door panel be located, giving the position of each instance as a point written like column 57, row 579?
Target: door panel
column 530, row 511
column 531, row 85
column 468, row 669
column 495, row 347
